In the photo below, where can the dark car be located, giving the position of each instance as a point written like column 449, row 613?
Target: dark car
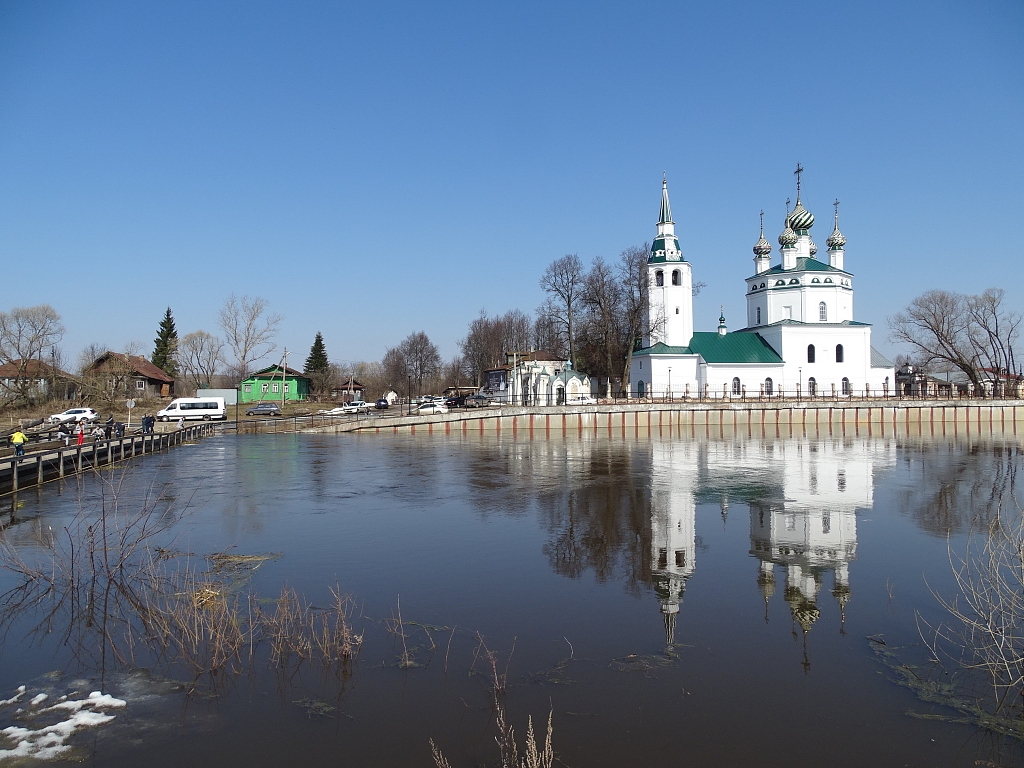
column 477, row 401
column 455, row 401
column 381, row 404
column 264, row 409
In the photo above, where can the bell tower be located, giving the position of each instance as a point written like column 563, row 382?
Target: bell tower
column 669, row 284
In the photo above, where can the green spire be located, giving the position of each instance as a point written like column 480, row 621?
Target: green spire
column 666, row 209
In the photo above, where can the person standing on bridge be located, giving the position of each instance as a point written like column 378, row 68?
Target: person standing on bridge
column 18, row 439
column 109, row 426
column 181, row 422
column 80, row 431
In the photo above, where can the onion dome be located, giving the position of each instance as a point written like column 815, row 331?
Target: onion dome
column 836, row 240
column 762, row 247
column 788, row 237
column 814, row 248
column 801, row 218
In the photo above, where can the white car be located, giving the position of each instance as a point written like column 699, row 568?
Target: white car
column 356, row 406
column 581, row 400
column 74, row 414
column 427, row 408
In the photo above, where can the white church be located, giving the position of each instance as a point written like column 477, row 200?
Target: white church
column 800, row 334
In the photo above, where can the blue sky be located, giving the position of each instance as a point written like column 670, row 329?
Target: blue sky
column 375, row 169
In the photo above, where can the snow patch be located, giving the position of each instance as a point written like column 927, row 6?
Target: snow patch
column 18, row 693
column 50, row 741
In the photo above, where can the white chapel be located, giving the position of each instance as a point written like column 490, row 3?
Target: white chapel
column 799, row 332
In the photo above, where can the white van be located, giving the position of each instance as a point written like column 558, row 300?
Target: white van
column 205, row 408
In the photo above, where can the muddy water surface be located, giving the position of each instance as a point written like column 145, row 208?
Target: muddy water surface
column 672, row 601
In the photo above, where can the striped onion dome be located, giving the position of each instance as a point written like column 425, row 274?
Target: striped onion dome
column 788, row 237
column 801, row 218
column 762, row 247
column 814, row 248
column 836, row 240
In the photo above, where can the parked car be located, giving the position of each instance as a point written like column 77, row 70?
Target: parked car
column 356, row 406
column 428, row 408
column 477, row 401
column 455, row 401
column 264, row 409
column 381, row 404
column 74, row 414
column 581, row 400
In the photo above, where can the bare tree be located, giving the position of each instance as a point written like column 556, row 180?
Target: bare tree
column 454, row 373
column 563, row 282
column 396, row 369
column 548, row 333
column 515, row 331
column 489, row 338
column 968, row 333
column 633, row 279
column 421, row 357
column 249, row 331
column 200, row 355
column 88, row 356
column 602, row 300
column 25, row 333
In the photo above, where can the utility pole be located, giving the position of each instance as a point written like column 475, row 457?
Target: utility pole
column 284, row 377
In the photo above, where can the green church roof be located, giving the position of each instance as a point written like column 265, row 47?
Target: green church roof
column 803, row 264
column 718, row 348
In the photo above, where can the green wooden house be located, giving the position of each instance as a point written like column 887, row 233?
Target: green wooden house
column 267, row 384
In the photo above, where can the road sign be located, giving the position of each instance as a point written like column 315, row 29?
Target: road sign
column 130, row 404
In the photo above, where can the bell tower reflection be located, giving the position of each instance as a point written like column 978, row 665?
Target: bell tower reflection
column 673, row 526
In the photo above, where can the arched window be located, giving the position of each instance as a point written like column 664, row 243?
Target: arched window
column 822, row 312
column 641, row 389
column 810, row 353
column 846, row 386
column 768, row 385
column 736, row 385
column 659, row 278
column 758, row 315
column 676, row 279
column 839, row 353
column 677, row 310
column 812, row 386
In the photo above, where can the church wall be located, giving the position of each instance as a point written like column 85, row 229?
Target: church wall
column 791, row 342
column 653, row 370
column 751, row 375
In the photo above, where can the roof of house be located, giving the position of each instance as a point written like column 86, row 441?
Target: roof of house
column 271, row 371
column 138, row 364
column 718, row 348
column 345, row 384
column 34, row 369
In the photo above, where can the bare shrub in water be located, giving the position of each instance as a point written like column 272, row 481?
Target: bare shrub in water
column 111, row 592
column 985, row 639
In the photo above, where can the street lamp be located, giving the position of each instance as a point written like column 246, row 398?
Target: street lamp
column 408, row 399
column 670, row 382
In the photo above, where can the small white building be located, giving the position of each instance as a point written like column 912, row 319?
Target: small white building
column 800, row 330
column 538, row 378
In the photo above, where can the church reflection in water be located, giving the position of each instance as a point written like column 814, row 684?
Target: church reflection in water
column 803, row 496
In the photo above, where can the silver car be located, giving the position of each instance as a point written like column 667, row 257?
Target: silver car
column 75, row 415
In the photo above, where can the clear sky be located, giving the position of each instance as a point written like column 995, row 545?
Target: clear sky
column 379, row 168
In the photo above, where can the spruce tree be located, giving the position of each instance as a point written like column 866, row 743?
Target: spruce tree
column 317, row 361
column 166, row 345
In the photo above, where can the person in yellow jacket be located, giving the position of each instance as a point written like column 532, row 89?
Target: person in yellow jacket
column 18, row 439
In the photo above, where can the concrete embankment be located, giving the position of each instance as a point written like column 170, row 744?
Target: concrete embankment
column 782, row 418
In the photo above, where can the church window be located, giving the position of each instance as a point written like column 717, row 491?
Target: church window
column 810, row 353
column 641, row 388
column 680, row 558
column 736, row 385
column 758, row 315
column 780, row 282
column 762, row 285
column 839, row 353
column 826, row 523
column 822, row 312
column 794, row 281
column 753, row 287
column 828, row 279
column 677, row 310
column 815, row 280
column 846, row 386
column 768, row 385
column 812, row 386
column 676, row 278
column 659, row 278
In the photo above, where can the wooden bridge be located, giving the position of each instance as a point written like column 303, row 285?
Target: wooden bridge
column 37, row 467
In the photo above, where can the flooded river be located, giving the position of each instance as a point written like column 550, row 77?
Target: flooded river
column 669, row 600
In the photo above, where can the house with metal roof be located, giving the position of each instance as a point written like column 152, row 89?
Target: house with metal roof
column 800, row 330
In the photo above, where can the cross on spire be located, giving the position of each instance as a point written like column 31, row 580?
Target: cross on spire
column 836, row 206
column 762, row 222
column 797, row 172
